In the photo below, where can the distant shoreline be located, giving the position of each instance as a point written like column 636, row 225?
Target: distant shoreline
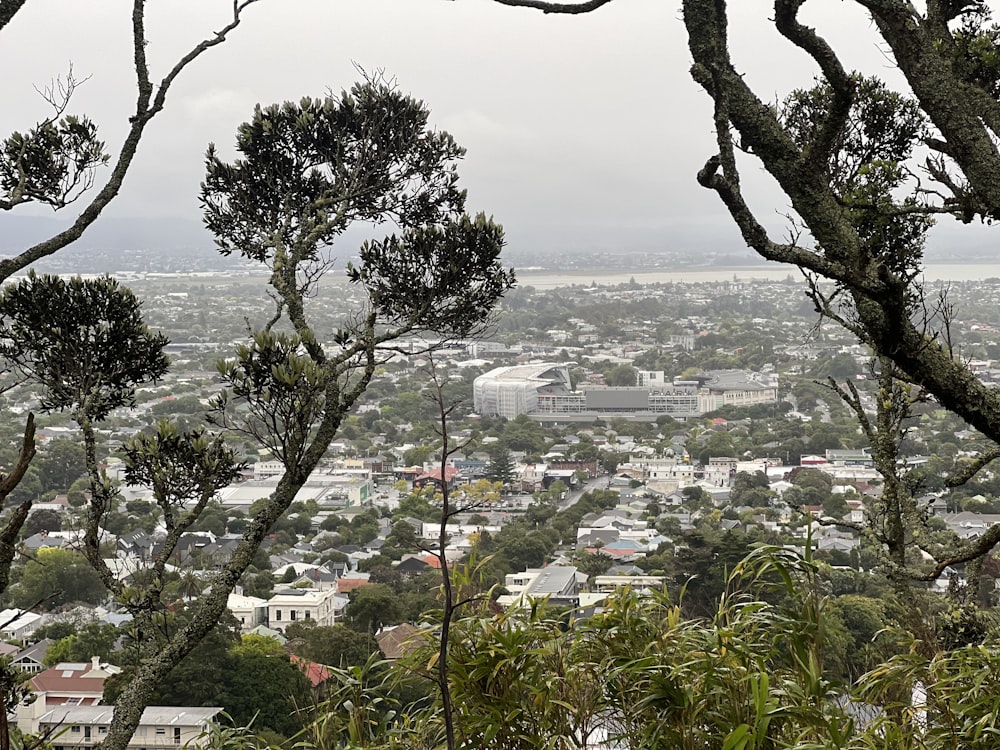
column 552, row 279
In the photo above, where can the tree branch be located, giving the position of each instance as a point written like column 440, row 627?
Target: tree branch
column 969, row 470
column 8, row 9
column 147, row 106
column 546, row 7
column 12, row 530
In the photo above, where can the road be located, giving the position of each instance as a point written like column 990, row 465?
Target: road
column 597, row 483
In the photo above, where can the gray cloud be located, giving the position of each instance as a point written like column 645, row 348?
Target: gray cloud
column 580, row 130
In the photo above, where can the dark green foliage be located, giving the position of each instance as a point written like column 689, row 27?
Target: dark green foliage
column 373, row 606
column 332, row 645
column 54, row 630
column 521, row 553
column 93, row 639
column 751, row 489
column 501, row 465
column 440, row 278
column 620, row 375
column 56, row 577
column 883, row 126
column 268, row 690
column 53, row 163
column 975, row 51
column 702, row 565
column 179, row 466
column 87, row 346
column 283, row 388
column 43, row 519
column 310, row 169
column 593, row 563
column 60, row 463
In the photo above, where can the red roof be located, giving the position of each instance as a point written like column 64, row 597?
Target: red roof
column 433, row 560
column 349, row 584
column 317, row 674
column 69, row 679
column 449, row 473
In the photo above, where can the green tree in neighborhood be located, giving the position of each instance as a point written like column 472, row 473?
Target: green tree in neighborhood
column 60, row 463
column 373, row 606
column 332, row 645
column 56, row 577
column 500, row 467
column 43, row 519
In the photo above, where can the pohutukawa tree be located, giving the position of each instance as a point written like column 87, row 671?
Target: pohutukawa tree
column 306, row 172
column 57, row 162
column 866, row 171
column 87, row 348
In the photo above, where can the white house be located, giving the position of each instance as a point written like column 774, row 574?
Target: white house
column 16, row 624
column 160, row 726
column 251, row 611
column 296, row 605
column 558, row 584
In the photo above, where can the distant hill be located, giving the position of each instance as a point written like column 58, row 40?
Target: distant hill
column 117, row 244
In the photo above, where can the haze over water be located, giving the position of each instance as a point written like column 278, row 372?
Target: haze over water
column 547, row 279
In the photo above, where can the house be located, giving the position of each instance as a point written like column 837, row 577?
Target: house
column 18, row 625
column 44, row 540
column 316, row 673
column 609, row 583
column 437, row 476
column 352, row 581
column 398, row 641
column 320, row 579
column 159, row 727
column 301, row 605
column 65, row 686
column 411, row 565
column 137, row 544
column 558, row 584
column 591, row 537
column 71, row 683
column 251, row 611
column 31, row 658
column 531, row 477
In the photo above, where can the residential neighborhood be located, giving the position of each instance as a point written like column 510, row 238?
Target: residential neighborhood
column 609, row 441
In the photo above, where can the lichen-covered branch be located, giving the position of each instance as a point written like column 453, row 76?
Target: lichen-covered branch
column 562, row 8
column 150, row 101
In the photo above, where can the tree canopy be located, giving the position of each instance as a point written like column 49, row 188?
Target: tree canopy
column 307, row 171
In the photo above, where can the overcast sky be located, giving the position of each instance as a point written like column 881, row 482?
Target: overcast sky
column 582, row 131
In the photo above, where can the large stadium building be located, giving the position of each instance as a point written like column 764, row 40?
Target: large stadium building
column 512, row 391
column 543, row 391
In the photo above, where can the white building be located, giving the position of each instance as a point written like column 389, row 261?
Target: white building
column 160, row 726
column 543, row 391
column 557, row 584
column 298, row 605
column 512, row 391
column 17, row 625
column 251, row 611
column 340, row 489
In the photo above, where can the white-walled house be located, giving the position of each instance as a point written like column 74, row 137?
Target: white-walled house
column 18, row 624
column 250, row 611
column 558, row 584
column 296, row 605
column 160, row 726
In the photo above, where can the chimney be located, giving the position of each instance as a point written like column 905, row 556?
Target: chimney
column 95, row 663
